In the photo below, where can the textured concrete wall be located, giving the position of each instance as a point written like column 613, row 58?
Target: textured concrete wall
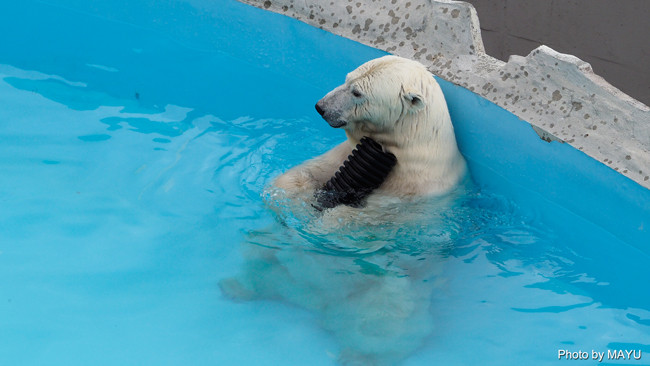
column 613, row 36
column 557, row 93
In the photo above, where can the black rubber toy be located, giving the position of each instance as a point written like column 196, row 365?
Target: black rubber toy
column 363, row 172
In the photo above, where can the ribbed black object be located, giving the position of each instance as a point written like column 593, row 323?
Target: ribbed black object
column 364, row 171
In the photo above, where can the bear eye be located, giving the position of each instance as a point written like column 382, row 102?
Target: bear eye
column 356, row 93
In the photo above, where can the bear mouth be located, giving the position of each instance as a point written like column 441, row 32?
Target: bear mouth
column 332, row 120
column 337, row 123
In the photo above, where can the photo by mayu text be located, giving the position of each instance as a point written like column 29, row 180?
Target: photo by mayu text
column 610, row 354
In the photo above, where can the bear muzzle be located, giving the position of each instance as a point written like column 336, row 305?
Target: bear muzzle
column 332, row 120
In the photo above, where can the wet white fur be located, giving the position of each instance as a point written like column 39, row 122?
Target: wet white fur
column 376, row 306
column 401, row 107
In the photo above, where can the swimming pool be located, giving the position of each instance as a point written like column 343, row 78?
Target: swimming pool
column 136, row 142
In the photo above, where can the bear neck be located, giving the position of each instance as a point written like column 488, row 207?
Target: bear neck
column 428, row 131
column 426, row 140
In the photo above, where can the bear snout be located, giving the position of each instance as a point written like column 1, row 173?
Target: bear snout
column 332, row 118
column 320, row 110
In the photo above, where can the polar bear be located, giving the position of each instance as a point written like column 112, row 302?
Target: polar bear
column 369, row 283
column 396, row 102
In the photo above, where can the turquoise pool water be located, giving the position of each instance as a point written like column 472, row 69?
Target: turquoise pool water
column 135, row 145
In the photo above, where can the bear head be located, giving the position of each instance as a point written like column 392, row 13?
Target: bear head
column 393, row 100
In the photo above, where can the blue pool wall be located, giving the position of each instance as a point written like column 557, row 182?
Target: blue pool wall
column 547, row 180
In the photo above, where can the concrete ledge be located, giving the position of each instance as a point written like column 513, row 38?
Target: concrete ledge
column 558, row 94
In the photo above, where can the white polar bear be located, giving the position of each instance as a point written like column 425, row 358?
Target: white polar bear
column 396, row 102
column 374, row 292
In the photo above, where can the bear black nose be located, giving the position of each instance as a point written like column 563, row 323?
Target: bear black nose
column 319, row 110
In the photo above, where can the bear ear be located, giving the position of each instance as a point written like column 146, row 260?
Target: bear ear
column 414, row 101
